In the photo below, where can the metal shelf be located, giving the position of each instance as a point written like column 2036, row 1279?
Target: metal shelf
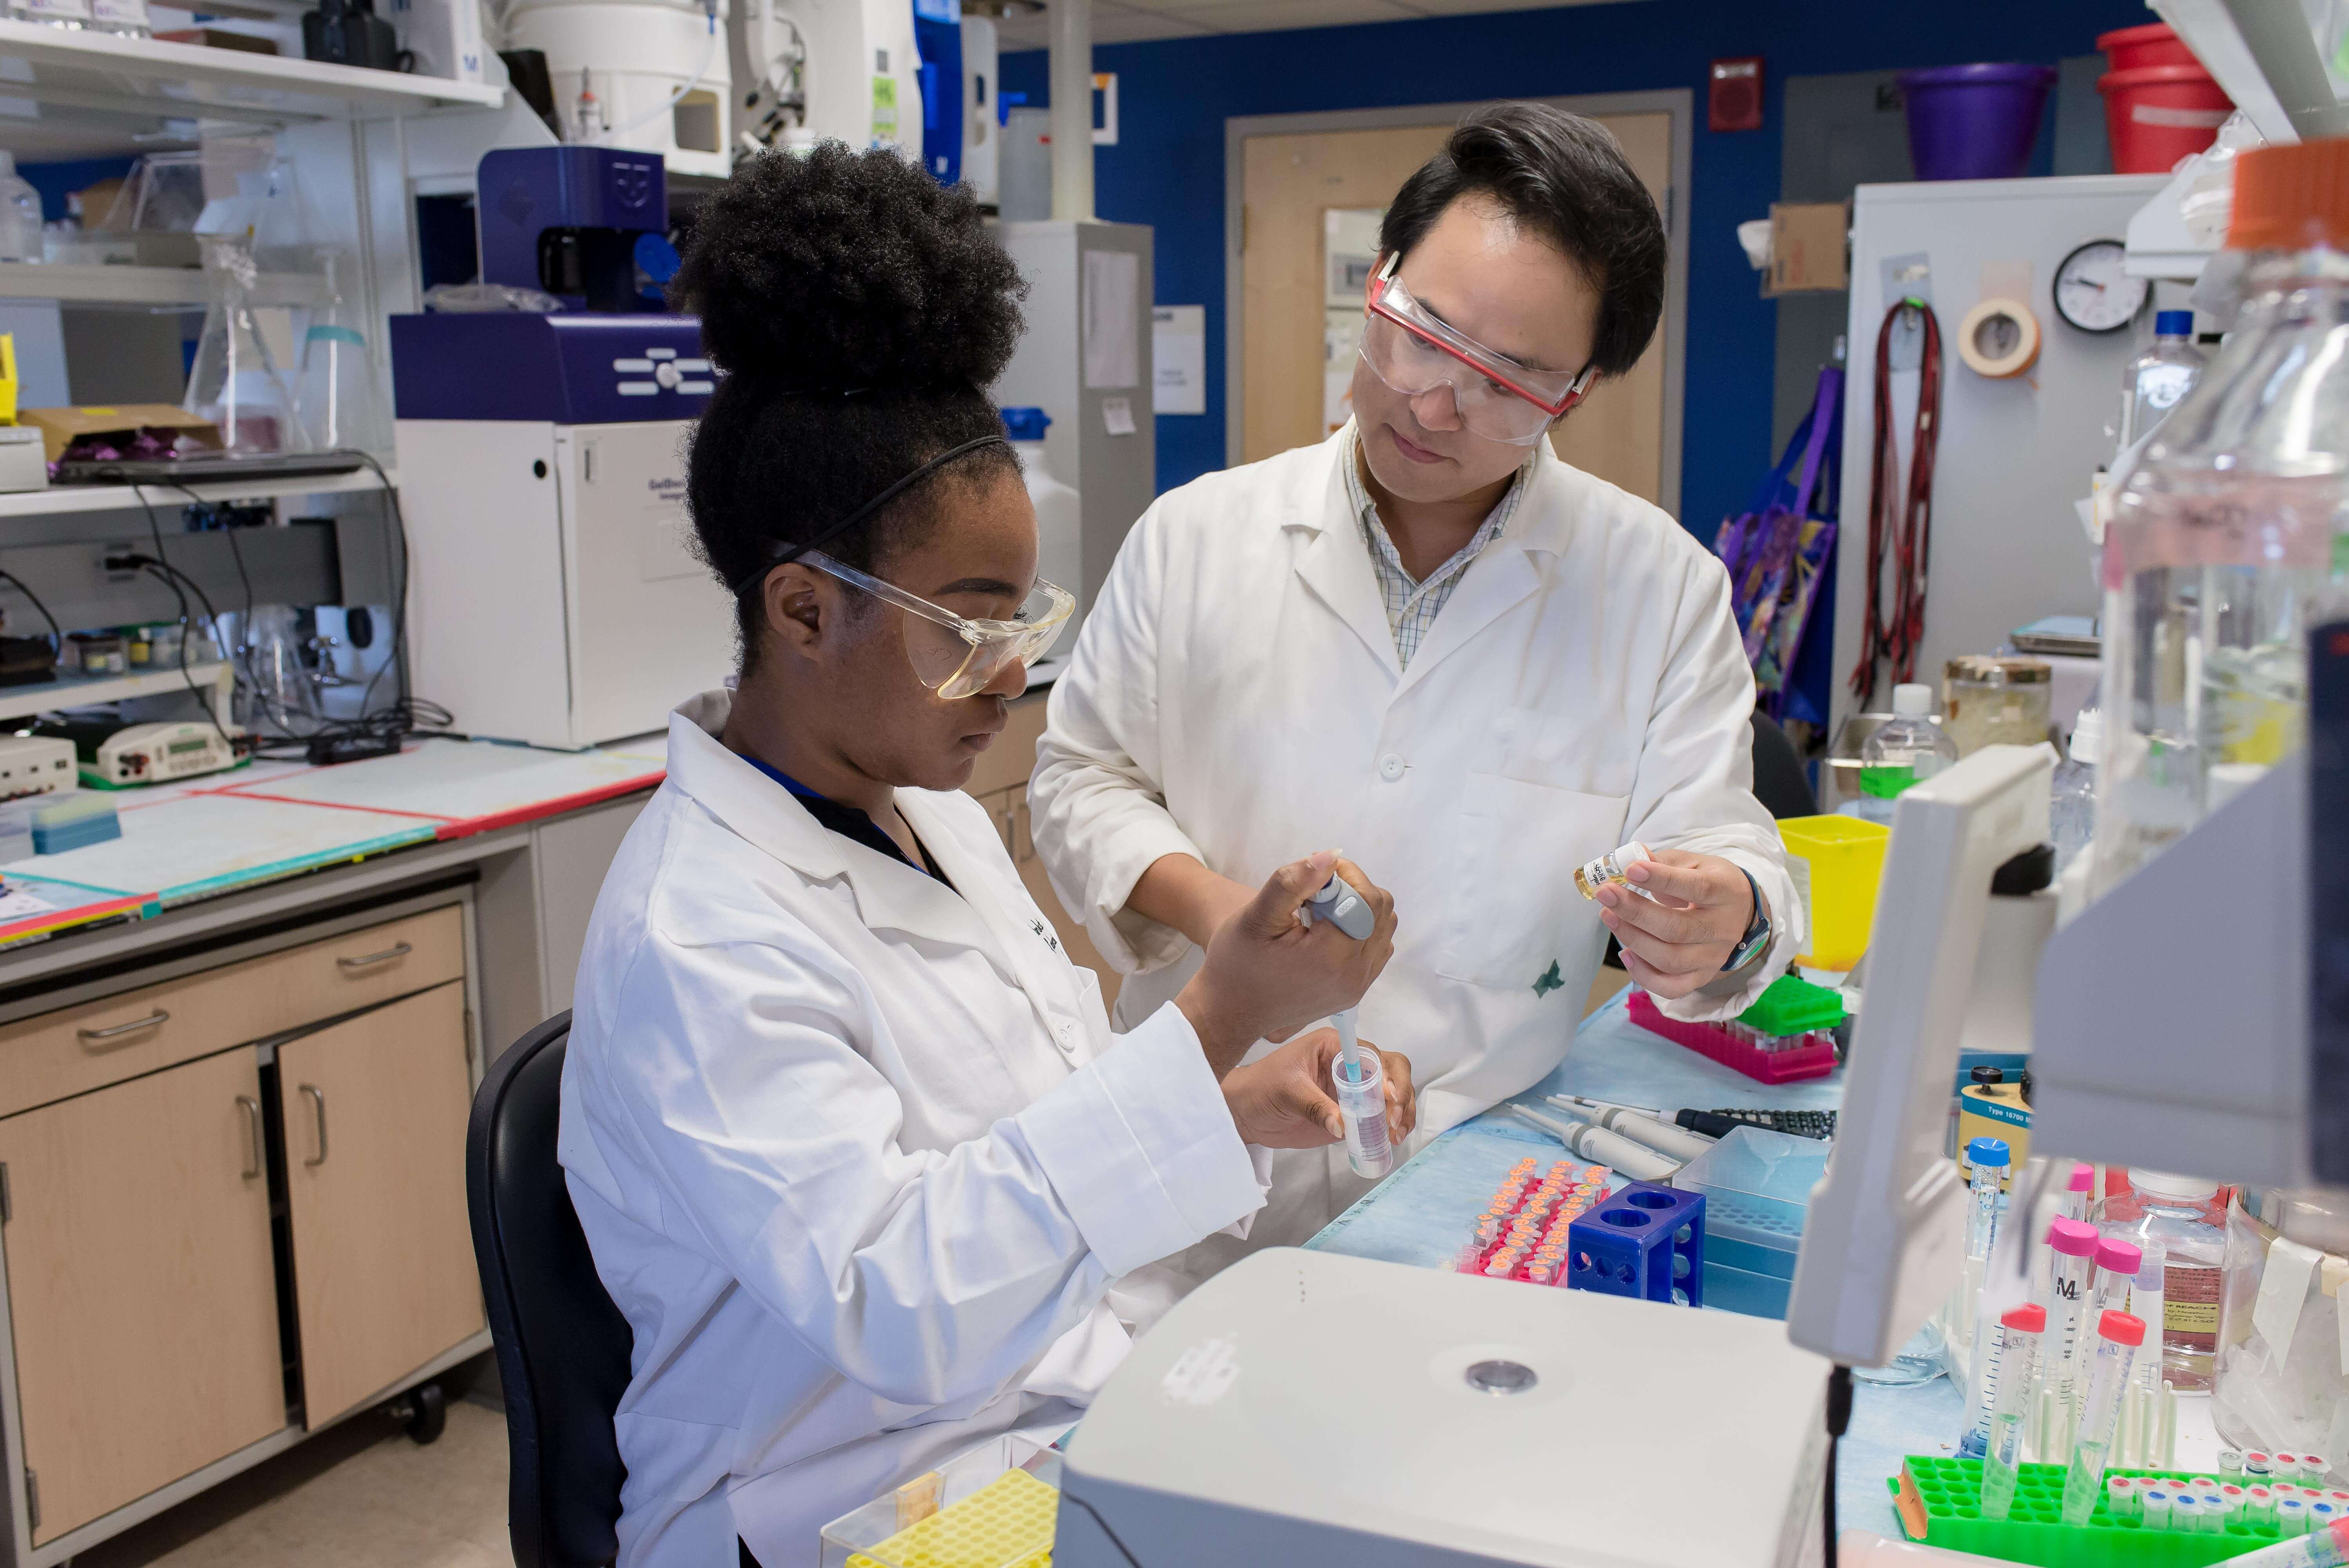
column 112, row 74
column 80, row 283
column 24, row 701
column 61, row 499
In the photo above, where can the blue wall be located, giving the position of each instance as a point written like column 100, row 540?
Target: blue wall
column 1168, row 169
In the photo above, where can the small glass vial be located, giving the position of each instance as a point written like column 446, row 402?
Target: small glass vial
column 1612, row 868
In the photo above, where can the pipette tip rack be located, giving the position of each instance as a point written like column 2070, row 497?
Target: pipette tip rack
column 1809, row 1056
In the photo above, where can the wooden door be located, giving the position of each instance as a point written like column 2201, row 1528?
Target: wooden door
column 374, row 1112
column 1289, row 182
column 142, row 1295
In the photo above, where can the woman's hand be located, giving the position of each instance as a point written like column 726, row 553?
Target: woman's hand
column 1284, row 1100
column 1679, row 942
column 1267, row 974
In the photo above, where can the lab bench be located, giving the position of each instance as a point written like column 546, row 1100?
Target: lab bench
column 237, row 1053
column 1422, row 1214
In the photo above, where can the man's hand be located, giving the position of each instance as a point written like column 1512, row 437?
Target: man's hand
column 1284, row 1102
column 1679, row 942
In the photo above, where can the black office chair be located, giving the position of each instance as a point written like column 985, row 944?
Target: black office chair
column 1779, row 781
column 563, row 1348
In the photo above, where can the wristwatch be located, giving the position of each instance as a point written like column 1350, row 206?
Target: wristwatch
column 1758, row 930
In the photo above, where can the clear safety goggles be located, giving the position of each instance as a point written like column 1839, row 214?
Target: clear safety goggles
column 1413, row 353
column 954, row 655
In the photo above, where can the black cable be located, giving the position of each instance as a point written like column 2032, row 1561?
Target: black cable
column 171, row 577
column 57, row 637
column 1838, row 1421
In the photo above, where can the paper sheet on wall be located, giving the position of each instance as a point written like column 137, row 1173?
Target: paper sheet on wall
column 1178, row 359
column 1112, row 301
column 1117, row 415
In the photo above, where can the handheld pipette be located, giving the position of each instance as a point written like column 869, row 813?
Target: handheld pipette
column 2021, row 1333
column 2118, row 1335
column 1359, row 1077
column 1601, row 1147
column 1672, row 1142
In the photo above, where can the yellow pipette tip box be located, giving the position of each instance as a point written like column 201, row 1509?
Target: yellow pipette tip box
column 1837, row 862
column 1007, row 1524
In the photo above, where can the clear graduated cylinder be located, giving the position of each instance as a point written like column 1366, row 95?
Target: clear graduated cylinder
column 2022, row 1336
column 2117, row 1336
column 2226, row 527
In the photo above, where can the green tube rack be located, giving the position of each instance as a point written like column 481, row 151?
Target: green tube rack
column 1948, row 1492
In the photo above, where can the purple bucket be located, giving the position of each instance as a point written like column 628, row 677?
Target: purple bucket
column 1974, row 122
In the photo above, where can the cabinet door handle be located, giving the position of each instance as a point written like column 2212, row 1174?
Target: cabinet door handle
column 95, row 1037
column 252, row 1109
column 317, row 1099
column 352, row 965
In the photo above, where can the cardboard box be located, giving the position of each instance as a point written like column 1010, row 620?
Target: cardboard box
column 60, row 427
column 1809, row 248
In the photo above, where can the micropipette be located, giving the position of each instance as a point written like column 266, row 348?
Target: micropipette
column 2021, row 1333
column 2118, row 1334
column 1359, row 1077
column 1600, row 1146
column 1672, row 1142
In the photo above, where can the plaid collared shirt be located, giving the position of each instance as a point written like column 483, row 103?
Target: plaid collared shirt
column 1412, row 607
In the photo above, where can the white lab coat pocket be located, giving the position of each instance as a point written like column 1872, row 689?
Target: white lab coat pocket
column 1512, row 910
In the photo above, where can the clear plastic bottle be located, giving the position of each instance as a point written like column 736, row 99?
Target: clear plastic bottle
column 1060, row 515
column 2072, row 802
column 20, row 214
column 1906, row 749
column 2184, row 1214
column 2223, row 532
column 2156, row 378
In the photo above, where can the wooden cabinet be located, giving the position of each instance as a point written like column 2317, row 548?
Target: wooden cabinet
column 375, row 1113
column 141, row 1287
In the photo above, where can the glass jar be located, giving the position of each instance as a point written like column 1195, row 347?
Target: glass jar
column 2223, row 535
column 1988, row 701
column 2187, row 1217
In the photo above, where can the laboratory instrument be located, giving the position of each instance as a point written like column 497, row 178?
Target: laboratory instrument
column 1635, row 1161
column 1902, row 752
column 656, row 71
column 586, row 224
column 2118, row 1334
column 1613, row 869
column 2008, row 1389
column 111, row 754
column 1358, row 1074
column 35, row 764
column 1478, row 1456
column 1716, row 1123
column 2221, row 536
column 2156, row 378
column 1339, row 903
column 1672, row 1142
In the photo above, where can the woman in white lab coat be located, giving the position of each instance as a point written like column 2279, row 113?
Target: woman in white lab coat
column 855, row 1150
column 1430, row 639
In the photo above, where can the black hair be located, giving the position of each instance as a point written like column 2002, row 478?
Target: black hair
column 1565, row 178
column 857, row 308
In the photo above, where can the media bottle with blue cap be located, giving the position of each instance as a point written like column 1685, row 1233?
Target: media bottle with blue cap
column 2156, row 378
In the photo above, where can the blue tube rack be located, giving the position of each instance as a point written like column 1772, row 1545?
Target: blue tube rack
column 1645, row 1240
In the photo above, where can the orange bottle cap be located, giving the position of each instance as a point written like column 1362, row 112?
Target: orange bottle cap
column 2289, row 197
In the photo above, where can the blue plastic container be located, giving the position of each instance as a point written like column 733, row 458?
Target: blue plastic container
column 1974, row 122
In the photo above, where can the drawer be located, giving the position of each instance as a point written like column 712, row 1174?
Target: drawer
column 85, row 1047
column 1007, row 764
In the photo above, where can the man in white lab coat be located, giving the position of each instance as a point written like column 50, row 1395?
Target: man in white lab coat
column 1431, row 641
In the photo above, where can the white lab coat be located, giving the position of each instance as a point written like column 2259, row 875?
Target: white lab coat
column 857, row 1157
column 1236, row 695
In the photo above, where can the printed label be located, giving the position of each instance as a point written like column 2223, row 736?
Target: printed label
column 1887, row 780
column 2189, row 1314
column 120, row 14
column 54, row 10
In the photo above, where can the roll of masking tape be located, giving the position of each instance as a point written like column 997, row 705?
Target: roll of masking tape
column 1999, row 338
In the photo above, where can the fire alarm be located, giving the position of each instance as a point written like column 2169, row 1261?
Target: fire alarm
column 1734, row 100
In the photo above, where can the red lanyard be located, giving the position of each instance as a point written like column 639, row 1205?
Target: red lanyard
column 1908, row 536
